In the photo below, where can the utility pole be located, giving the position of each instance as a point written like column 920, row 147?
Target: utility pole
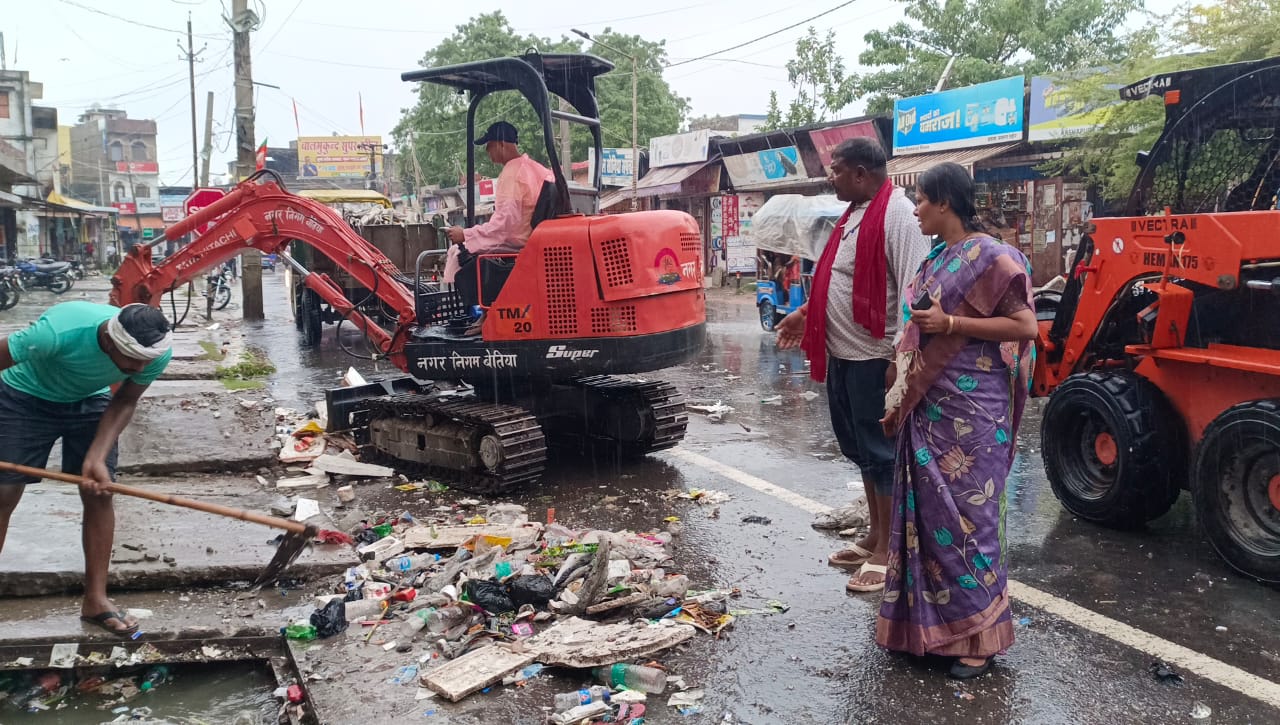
column 373, row 163
column 191, row 79
column 207, row 150
column 243, row 21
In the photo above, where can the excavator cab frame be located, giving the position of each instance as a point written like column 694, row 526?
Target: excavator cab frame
column 536, row 76
column 1162, row 361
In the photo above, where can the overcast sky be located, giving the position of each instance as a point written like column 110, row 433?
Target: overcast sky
column 322, row 53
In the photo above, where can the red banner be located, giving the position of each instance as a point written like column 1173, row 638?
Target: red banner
column 137, row 167
column 825, row 140
column 125, row 207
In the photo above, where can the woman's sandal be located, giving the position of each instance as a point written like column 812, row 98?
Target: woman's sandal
column 961, row 671
column 868, row 567
column 850, row 558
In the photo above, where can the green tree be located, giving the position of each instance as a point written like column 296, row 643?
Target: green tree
column 435, row 127
column 989, row 39
column 1190, row 37
column 817, row 74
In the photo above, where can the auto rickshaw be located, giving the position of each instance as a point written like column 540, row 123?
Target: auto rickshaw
column 790, row 231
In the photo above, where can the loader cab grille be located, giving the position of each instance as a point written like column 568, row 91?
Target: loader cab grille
column 617, row 262
column 562, row 304
column 690, row 242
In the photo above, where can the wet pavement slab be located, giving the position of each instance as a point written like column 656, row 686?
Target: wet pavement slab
column 157, row 546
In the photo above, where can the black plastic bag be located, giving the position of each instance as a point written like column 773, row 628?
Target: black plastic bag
column 489, row 596
column 531, row 589
column 330, row 620
column 365, row 536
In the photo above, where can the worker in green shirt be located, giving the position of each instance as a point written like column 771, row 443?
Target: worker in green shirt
column 56, row 382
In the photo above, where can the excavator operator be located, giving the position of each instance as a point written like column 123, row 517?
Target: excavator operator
column 515, row 197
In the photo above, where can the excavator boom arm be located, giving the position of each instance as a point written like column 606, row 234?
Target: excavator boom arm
column 261, row 215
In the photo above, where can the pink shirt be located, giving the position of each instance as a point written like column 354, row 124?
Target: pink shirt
column 515, row 195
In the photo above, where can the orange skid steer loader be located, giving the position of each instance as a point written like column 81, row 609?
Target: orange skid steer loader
column 1161, row 359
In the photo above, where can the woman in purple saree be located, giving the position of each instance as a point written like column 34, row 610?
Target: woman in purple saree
column 964, row 367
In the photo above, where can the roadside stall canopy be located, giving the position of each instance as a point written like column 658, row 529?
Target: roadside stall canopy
column 904, row 169
column 67, row 206
column 667, row 181
column 795, row 224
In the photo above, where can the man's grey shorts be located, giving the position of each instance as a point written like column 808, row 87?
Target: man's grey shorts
column 29, row 426
column 855, row 392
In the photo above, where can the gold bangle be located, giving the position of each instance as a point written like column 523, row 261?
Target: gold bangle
column 951, row 323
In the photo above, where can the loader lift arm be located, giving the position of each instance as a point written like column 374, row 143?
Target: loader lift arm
column 260, row 214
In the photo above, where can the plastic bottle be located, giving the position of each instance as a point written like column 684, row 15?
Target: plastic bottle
column 570, row 700
column 410, row 562
column 415, row 622
column 632, row 677
column 445, row 618
column 158, row 675
column 300, row 631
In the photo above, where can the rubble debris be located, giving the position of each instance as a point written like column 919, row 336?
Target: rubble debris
column 348, row 467
column 475, row 671
column 1165, row 673
column 704, row 496
column 577, row 642
column 764, row 520
column 714, row 412
column 453, row 537
column 852, row 516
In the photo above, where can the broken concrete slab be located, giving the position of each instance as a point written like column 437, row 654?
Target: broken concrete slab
column 346, row 467
column 451, row 537
column 475, row 671
column 620, row 603
column 581, row 643
column 315, row 480
column 43, row 556
column 168, row 437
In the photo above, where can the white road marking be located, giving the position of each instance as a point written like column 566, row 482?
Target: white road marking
column 1245, row 683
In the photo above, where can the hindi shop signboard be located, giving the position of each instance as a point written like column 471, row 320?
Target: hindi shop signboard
column 336, row 156
column 980, row 115
column 679, row 148
column 615, row 167
column 825, row 140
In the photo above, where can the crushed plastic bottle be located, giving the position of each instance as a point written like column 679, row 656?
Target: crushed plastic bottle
column 632, row 677
column 569, row 700
column 300, row 631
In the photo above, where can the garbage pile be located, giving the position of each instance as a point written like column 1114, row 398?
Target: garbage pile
column 486, row 596
column 45, row 690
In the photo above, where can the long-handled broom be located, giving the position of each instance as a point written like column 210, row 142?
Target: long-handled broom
column 291, row 546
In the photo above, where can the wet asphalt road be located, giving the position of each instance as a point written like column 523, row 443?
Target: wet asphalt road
column 818, row 662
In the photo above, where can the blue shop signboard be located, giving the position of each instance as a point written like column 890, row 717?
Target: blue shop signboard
column 972, row 116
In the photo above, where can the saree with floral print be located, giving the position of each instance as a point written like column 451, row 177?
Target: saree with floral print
column 945, row 588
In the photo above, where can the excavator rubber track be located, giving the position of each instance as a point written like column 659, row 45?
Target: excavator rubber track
column 658, row 406
column 507, row 434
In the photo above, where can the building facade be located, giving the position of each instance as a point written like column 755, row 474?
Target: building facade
column 114, row 162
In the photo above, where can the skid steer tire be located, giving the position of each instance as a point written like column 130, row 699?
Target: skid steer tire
column 1113, row 448
column 1235, row 484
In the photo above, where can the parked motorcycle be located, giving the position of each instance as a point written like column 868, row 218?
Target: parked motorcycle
column 10, row 287
column 77, row 270
column 219, row 287
column 53, row 277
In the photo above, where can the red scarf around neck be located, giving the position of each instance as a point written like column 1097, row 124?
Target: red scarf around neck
column 870, row 282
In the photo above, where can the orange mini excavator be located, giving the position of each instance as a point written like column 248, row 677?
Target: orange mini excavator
column 589, row 297
column 1161, row 359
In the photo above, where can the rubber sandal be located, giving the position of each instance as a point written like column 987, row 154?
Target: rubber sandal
column 867, row 568
column 102, row 618
column 961, row 671
column 843, row 560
